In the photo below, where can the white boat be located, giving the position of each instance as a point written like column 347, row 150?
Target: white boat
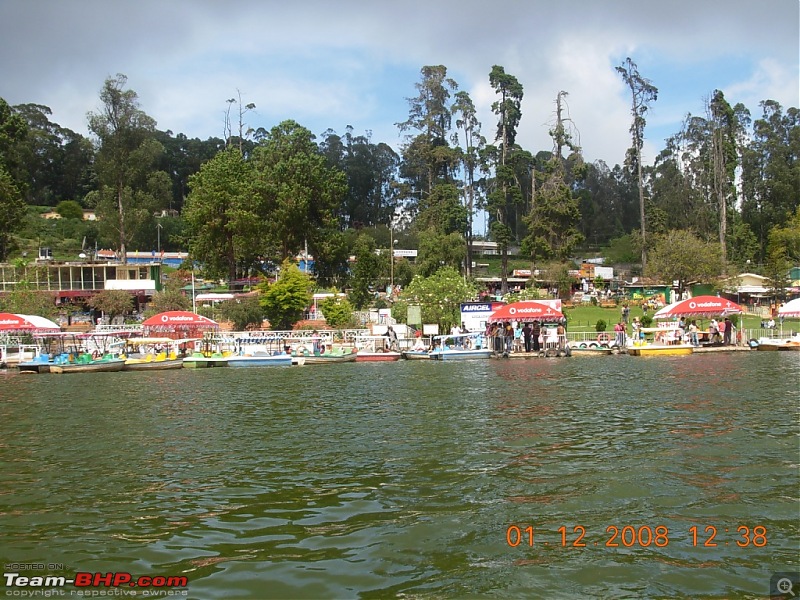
column 768, row 344
column 416, row 354
column 463, row 346
column 260, row 359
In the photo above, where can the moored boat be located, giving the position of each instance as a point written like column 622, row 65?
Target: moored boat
column 151, row 354
column 416, row 354
column 660, row 349
column 584, row 350
column 198, row 360
column 766, row 344
column 84, row 363
column 372, row 348
column 335, row 355
column 260, row 359
column 465, row 346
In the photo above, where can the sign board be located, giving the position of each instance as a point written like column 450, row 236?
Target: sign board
column 414, row 315
column 604, row 272
column 475, row 314
column 430, row 329
column 409, row 253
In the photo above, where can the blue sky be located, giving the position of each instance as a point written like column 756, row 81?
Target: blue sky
column 334, row 64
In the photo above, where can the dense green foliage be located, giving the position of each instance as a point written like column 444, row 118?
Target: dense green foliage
column 112, row 302
column 243, row 204
column 285, row 301
column 244, row 313
column 338, row 312
column 440, row 296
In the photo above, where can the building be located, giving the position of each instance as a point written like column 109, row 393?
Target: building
column 75, row 281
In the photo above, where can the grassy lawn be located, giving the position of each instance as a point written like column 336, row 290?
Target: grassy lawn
column 584, row 318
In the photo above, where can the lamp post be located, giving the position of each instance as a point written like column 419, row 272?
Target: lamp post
column 391, row 259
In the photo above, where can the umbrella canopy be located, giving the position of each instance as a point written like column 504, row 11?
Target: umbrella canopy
column 526, row 311
column 790, row 309
column 177, row 320
column 13, row 323
column 699, row 306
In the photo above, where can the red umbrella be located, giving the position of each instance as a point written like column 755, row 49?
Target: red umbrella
column 526, row 311
column 699, row 306
column 177, row 320
column 12, row 323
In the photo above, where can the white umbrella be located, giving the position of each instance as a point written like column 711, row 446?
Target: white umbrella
column 790, row 309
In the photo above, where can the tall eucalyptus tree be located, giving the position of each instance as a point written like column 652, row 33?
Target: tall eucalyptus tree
column 467, row 121
column 126, row 153
column 643, row 94
column 506, row 195
column 554, row 215
column 428, row 160
column 771, row 172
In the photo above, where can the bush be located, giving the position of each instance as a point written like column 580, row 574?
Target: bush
column 647, row 321
column 601, row 325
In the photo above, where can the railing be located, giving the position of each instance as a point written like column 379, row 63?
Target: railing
column 109, row 328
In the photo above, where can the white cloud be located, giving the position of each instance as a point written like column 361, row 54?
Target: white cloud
column 328, row 65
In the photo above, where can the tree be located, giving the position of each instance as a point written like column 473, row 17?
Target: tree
column 771, row 172
column 244, row 313
column 57, row 162
column 429, row 114
column 500, row 202
column 12, row 212
column 12, row 204
column 365, row 271
column 681, row 256
column 554, row 215
column 338, row 312
column 285, row 301
column 224, row 222
column 438, row 250
column 69, row 209
column 465, row 113
column 440, row 296
column 169, row 299
column 126, row 153
column 299, row 194
column 112, row 302
column 371, row 172
column 643, row 93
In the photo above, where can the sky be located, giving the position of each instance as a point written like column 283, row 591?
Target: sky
column 330, row 65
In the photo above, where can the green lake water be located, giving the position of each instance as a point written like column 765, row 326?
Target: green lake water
column 402, row 479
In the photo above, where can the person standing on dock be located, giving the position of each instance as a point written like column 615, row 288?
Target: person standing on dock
column 527, row 331
column 536, row 331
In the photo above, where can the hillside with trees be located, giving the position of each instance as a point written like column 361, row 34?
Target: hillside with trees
column 729, row 179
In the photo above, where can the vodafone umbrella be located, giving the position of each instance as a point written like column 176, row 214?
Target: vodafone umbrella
column 177, row 320
column 790, row 309
column 13, row 323
column 526, row 311
column 699, row 306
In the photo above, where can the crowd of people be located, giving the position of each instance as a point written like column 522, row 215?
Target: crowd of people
column 525, row 337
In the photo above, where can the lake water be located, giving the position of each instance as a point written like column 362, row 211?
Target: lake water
column 413, row 479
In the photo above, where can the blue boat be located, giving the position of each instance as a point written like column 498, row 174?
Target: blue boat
column 465, row 346
column 260, row 359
